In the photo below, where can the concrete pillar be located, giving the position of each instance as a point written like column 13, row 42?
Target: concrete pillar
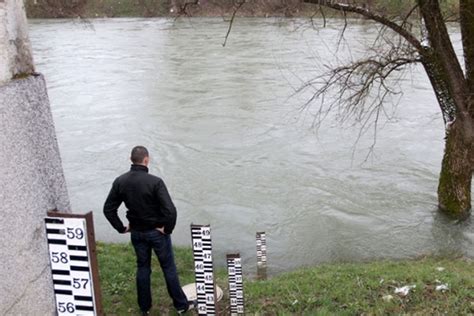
column 15, row 49
column 31, row 175
column 31, row 183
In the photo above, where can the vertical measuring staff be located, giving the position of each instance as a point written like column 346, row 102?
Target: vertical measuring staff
column 203, row 267
column 236, row 290
column 261, row 255
column 74, row 269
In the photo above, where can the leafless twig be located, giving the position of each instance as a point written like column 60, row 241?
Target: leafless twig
column 323, row 15
column 239, row 5
column 359, row 90
column 405, row 20
column 341, row 37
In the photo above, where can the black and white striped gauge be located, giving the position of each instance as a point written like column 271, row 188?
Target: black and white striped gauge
column 261, row 250
column 203, row 267
column 236, row 290
column 73, row 264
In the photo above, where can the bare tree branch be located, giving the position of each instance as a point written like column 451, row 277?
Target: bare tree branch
column 445, row 56
column 239, row 5
column 405, row 20
column 467, row 33
column 359, row 90
column 323, row 15
column 372, row 16
column 341, row 37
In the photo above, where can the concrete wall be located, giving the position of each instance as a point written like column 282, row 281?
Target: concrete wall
column 15, row 47
column 31, row 183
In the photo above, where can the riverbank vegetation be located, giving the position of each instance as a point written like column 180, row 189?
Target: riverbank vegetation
column 434, row 285
column 159, row 8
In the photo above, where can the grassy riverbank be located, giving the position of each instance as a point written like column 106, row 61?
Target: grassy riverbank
column 342, row 289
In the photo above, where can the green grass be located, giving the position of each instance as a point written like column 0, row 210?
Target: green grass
column 359, row 288
column 332, row 289
column 117, row 278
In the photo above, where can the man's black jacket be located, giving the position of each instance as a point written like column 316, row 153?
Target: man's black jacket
column 147, row 199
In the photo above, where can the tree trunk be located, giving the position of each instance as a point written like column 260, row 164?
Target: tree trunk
column 454, row 189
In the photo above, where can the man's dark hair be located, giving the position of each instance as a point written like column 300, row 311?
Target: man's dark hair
column 138, row 154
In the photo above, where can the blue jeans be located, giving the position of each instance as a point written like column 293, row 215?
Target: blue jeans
column 144, row 242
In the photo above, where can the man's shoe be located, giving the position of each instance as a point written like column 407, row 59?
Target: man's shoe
column 191, row 305
column 145, row 313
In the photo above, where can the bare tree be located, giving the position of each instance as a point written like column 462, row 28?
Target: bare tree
column 453, row 86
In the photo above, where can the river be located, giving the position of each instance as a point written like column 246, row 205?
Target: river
column 235, row 146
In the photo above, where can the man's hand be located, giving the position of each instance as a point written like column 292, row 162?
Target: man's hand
column 161, row 229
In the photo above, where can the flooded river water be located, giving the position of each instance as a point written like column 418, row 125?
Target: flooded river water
column 234, row 145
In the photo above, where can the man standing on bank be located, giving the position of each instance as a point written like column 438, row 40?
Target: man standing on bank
column 152, row 218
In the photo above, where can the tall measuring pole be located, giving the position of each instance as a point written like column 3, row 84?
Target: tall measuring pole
column 203, row 267
column 261, row 241
column 236, row 289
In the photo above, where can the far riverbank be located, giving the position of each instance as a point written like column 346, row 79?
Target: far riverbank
column 206, row 8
